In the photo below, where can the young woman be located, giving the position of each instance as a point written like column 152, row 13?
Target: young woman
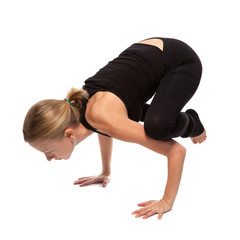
column 113, row 101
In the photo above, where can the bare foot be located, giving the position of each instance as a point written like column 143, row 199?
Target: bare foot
column 199, row 139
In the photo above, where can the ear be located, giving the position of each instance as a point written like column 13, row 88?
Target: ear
column 69, row 133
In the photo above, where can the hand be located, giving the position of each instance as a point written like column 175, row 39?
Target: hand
column 153, row 207
column 102, row 178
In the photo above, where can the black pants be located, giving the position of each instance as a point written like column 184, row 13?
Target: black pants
column 163, row 119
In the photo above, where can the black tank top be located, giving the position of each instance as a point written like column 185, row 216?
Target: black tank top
column 135, row 74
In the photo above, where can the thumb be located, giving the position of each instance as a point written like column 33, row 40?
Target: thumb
column 106, row 181
column 160, row 216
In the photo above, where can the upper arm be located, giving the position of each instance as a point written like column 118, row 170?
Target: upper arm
column 131, row 131
column 115, row 124
column 119, row 126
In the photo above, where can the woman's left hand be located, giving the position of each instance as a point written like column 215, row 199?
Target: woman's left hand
column 153, row 207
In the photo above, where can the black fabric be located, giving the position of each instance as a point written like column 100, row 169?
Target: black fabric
column 143, row 70
column 190, row 128
column 133, row 76
column 198, row 127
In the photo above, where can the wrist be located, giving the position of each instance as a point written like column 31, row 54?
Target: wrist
column 170, row 202
column 106, row 173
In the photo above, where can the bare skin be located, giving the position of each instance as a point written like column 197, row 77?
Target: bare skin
column 199, row 139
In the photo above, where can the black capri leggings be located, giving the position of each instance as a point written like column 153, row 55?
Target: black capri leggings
column 164, row 119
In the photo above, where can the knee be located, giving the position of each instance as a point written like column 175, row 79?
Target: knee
column 198, row 69
column 156, row 128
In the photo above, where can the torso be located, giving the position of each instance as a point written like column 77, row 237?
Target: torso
column 108, row 101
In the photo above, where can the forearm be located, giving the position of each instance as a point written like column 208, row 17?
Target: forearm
column 175, row 167
column 175, row 154
column 106, row 146
column 131, row 131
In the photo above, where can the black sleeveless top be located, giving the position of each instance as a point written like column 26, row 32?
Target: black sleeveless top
column 133, row 76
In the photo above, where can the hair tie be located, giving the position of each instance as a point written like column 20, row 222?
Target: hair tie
column 68, row 101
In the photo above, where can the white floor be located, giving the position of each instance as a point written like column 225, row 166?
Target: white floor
column 49, row 46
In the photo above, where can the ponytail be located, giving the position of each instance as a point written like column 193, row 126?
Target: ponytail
column 48, row 119
column 75, row 97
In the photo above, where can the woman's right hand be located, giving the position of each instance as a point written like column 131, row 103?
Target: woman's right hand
column 102, row 178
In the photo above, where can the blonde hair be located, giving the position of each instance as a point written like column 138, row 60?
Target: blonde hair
column 48, row 119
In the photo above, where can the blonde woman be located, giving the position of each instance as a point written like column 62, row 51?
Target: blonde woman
column 113, row 101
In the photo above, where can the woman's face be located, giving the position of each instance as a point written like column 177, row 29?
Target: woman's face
column 61, row 149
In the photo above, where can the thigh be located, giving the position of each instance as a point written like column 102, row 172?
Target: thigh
column 175, row 89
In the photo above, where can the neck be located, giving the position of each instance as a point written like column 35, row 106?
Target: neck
column 82, row 133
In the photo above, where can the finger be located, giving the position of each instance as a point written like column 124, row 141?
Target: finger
column 87, row 183
column 139, row 210
column 82, row 180
column 135, row 212
column 149, row 214
column 142, row 213
column 145, row 203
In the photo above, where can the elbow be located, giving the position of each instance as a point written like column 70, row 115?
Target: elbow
column 183, row 152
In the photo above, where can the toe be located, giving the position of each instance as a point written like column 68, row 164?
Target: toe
column 194, row 140
column 199, row 139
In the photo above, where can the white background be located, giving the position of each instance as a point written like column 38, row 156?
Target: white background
column 48, row 46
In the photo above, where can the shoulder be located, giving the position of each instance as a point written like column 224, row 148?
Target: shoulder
column 96, row 114
column 110, row 118
column 105, row 111
column 100, row 117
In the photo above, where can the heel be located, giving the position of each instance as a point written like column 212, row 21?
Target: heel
column 191, row 126
column 198, row 128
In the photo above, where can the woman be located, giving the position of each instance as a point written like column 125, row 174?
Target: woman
column 113, row 101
